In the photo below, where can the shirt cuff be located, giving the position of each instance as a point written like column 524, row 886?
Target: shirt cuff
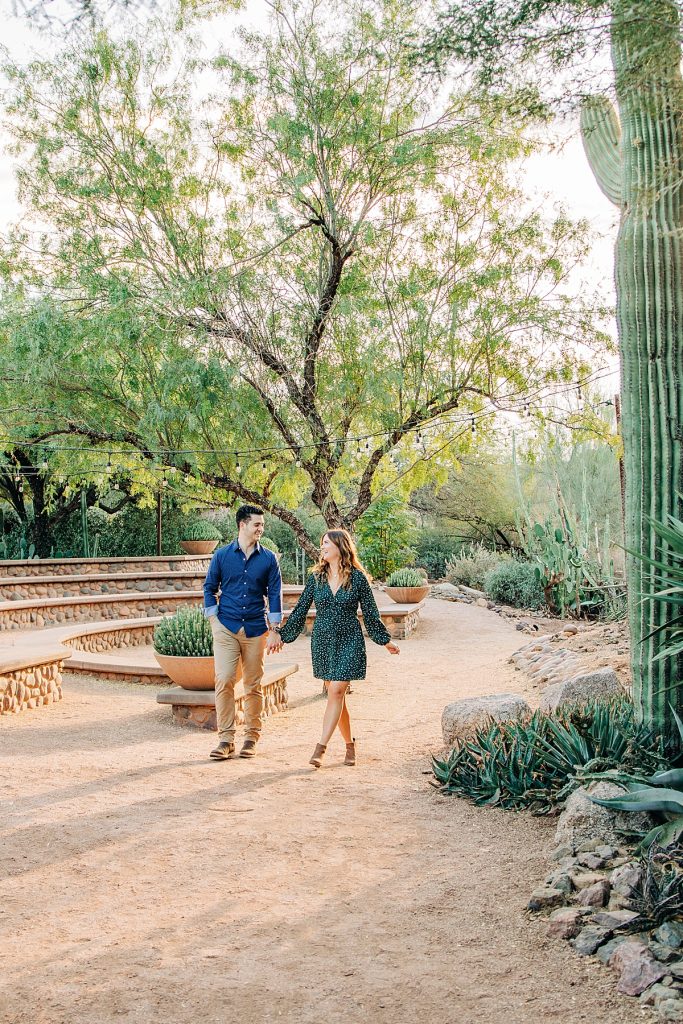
column 211, row 611
column 274, row 618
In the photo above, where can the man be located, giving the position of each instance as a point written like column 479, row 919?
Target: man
column 244, row 573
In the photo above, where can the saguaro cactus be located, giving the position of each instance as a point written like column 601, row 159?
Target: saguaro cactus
column 637, row 159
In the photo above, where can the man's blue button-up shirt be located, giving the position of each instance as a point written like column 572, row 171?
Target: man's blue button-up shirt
column 243, row 584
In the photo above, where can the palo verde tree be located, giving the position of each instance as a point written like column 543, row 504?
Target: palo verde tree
column 637, row 157
column 329, row 249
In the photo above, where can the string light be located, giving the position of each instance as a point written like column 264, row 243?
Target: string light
column 473, row 426
column 238, row 468
column 44, row 465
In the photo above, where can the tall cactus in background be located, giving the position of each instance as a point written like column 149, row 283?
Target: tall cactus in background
column 637, row 159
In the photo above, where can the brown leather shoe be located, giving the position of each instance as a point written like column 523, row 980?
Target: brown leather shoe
column 350, row 753
column 223, row 751
column 248, row 749
column 318, row 755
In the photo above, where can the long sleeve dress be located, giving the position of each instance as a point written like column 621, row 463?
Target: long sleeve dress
column 337, row 642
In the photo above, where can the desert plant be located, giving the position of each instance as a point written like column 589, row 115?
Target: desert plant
column 469, row 568
column 385, row 532
column 515, row 583
column 658, row 896
column 405, row 577
column 661, row 793
column 186, row 634
column 200, row 529
column 536, row 762
column 668, row 575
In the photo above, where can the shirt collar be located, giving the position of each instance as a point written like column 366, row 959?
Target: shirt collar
column 236, row 546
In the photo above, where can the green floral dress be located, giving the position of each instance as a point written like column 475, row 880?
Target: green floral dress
column 337, row 642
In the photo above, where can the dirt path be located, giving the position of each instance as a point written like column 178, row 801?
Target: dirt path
column 143, row 883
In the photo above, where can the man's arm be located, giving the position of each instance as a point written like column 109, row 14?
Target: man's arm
column 274, row 593
column 211, row 587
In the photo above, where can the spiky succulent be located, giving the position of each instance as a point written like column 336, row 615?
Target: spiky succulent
column 187, row 634
column 405, row 578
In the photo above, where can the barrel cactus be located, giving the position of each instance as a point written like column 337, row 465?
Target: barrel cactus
column 637, row 158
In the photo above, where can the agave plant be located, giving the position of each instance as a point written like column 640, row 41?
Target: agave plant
column 662, row 793
column 668, row 575
column 536, row 762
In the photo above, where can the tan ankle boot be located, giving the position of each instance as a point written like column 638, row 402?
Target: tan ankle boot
column 318, row 755
column 350, row 753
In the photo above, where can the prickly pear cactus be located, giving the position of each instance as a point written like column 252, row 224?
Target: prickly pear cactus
column 637, row 158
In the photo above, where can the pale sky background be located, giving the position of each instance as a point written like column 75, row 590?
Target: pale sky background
column 560, row 177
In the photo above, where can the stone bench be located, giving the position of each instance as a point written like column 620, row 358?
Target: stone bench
column 30, row 588
column 28, row 682
column 198, row 707
column 400, row 619
column 86, row 566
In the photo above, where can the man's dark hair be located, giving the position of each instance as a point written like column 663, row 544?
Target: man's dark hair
column 245, row 512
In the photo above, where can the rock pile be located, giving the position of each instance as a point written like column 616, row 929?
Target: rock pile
column 590, row 899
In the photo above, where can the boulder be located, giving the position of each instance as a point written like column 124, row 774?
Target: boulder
column 590, row 939
column 446, row 592
column 670, row 933
column 566, row 922
column 625, row 879
column 598, row 685
column 462, row 717
column 637, row 968
column 583, row 820
column 595, row 895
column 545, row 898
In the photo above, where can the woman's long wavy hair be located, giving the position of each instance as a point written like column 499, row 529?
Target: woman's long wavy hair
column 349, row 557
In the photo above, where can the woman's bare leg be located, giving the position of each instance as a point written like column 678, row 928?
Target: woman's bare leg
column 344, row 723
column 333, row 711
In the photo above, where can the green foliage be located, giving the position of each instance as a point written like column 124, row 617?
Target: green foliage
column 405, row 578
column 471, row 567
column 515, row 583
column 186, row 634
column 352, row 313
column 200, row 529
column 288, row 570
column 433, row 548
column 667, row 573
column 270, row 544
column 385, row 533
column 658, row 897
column 576, row 578
column 535, row 763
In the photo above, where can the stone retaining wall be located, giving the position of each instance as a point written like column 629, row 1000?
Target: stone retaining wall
column 55, row 612
column 32, row 587
column 90, row 566
column 32, row 686
column 98, row 643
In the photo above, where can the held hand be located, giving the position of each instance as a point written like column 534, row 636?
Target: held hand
column 274, row 644
column 393, row 648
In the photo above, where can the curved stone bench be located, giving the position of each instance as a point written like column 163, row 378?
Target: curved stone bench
column 198, row 707
column 30, row 588
column 87, row 566
column 31, row 681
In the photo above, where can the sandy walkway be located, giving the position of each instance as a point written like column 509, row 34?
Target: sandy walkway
column 143, row 883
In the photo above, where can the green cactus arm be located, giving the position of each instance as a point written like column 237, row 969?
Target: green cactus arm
column 601, row 136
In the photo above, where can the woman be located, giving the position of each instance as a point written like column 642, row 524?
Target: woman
column 338, row 584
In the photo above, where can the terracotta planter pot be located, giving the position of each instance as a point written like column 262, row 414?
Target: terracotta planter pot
column 190, row 673
column 198, row 547
column 407, row 595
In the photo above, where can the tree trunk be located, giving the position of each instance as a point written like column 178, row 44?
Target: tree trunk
column 642, row 172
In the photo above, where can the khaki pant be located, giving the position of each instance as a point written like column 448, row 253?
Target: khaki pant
column 228, row 649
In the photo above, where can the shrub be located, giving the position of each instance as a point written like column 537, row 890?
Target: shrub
column 433, row 549
column 385, row 532
column 288, row 570
column 536, row 762
column 470, row 567
column 269, row 544
column 200, row 529
column 515, row 583
column 405, row 578
column 187, row 634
